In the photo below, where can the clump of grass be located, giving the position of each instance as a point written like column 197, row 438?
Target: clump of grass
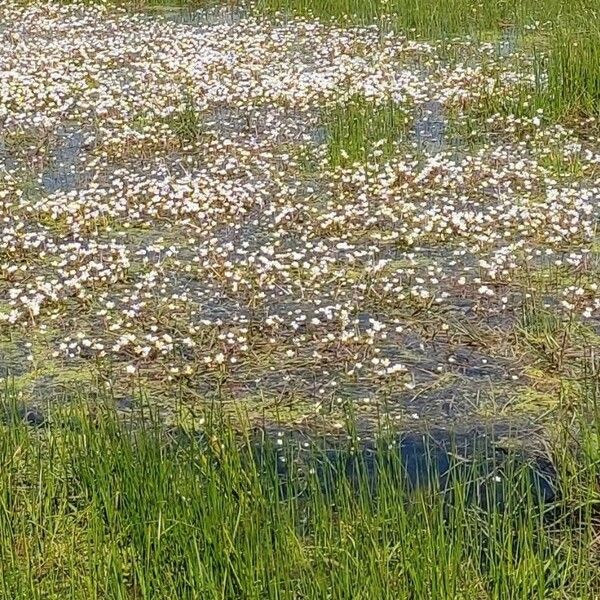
column 187, row 123
column 558, row 341
column 546, row 334
column 574, row 69
column 360, row 131
column 92, row 507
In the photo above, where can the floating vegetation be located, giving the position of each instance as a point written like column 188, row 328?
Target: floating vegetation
column 289, row 214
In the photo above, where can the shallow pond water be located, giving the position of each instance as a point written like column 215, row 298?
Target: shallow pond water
column 209, row 16
column 429, row 128
column 186, row 226
column 63, row 172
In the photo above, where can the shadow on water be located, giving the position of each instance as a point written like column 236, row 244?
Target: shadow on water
column 473, row 465
column 479, row 464
column 474, row 469
column 471, row 468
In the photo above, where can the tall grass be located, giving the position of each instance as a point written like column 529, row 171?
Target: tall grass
column 434, row 18
column 92, row 507
column 359, row 131
column 440, row 18
column 574, row 68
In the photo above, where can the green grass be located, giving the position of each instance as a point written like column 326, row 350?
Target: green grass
column 186, row 123
column 360, row 131
column 443, row 18
column 574, row 69
column 434, row 18
column 94, row 507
